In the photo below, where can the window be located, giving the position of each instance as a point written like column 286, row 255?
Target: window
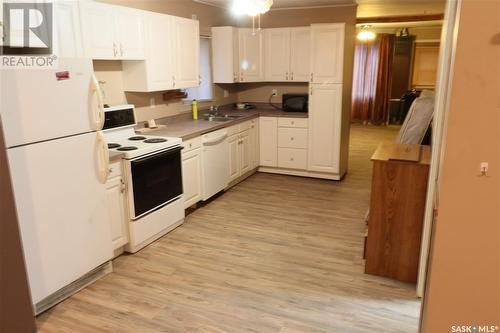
column 204, row 91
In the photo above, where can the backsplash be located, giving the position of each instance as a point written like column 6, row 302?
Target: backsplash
column 109, row 73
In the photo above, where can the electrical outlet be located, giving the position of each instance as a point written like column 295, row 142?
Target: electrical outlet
column 152, row 102
column 275, row 92
column 226, row 94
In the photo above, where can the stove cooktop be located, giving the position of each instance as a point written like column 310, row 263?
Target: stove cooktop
column 132, row 145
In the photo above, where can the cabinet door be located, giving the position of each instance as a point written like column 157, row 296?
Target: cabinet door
column 99, row 30
column 191, row 177
column 325, row 116
column 186, row 47
column 254, row 143
column 250, row 52
column 116, row 212
column 268, row 134
column 234, row 157
column 277, row 50
column 159, row 62
column 225, row 54
column 67, row 30
column 129, row 27
column 245, row 152
column 300, row 56
column 327, row 53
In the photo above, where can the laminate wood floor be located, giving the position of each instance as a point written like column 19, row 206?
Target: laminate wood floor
column 273, row 254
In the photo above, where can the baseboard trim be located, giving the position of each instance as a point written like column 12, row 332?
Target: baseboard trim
column 73, row 287
column 301, row 173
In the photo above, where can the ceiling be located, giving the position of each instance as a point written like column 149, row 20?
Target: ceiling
column 366, row 8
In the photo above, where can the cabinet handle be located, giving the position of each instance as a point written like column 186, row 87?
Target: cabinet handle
column 287, row 76
column 115, row 50
column 121, row 49
column 190, row 145
column 293, row 122
column 291, row 159
column 199, row 79
column 124, row 187
column 292, row 138
column 173, row 80
column 241, row 77
column 235, row 77
column 312, row 77
column 291, row 77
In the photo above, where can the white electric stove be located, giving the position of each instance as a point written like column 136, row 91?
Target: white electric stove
column 152, row 172
column 121, row 137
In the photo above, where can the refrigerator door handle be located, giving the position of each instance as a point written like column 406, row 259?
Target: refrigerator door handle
column 98, row 113
column 102, row 158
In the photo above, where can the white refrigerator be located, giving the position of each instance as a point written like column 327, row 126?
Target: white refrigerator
column 58, row 161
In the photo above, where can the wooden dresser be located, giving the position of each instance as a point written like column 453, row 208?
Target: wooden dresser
column 399, row 188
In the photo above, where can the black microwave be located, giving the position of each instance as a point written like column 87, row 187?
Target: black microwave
column 296, row 102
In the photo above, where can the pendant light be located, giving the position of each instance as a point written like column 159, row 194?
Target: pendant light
column 252, row 8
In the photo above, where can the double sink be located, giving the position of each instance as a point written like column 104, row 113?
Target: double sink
column 221, row 118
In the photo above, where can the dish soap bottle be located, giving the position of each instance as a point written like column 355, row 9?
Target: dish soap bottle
column 195, row 109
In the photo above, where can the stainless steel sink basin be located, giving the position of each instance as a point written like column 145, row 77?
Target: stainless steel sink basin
column 222, row 118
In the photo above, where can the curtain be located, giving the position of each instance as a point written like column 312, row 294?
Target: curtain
column 372, row 80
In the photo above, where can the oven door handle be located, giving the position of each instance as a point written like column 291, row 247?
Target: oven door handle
column 157, row 154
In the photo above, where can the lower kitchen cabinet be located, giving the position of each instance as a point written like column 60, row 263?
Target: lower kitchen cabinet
column 191, row 172
column 115, row 203
column 325, row 121
column 253, row 137
column 268, row 134
column 239, row 155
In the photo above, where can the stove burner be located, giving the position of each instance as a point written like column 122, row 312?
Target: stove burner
column 137, row 138
column 156, row 140
column 127, row 148
column 113, row 145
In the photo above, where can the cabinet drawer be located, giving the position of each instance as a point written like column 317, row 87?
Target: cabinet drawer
column 292, row 122
column 246, row 125
column 115, row 169
column 233, row 130
column 292, row 138
column 191, row 144
column 292, row 158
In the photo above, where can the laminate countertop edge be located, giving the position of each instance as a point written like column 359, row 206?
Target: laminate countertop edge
column 189, row 128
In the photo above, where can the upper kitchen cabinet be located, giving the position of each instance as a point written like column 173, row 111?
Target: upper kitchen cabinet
column 112, row 32
column 225, row 55
column 300, row 63
column 277, row 51
column 287, row 54
column 170, row 63
column 250, row 54
column 186, row 48
column 68, row 34
column 327, row 53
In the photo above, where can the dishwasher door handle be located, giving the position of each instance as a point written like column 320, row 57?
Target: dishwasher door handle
column 211, row 141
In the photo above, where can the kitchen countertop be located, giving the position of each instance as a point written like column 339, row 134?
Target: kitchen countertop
column 187, row 128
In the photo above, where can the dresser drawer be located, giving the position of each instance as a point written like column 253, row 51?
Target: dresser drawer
column 293, row 122
column 292, row 138
column 191, row 144
column 115, row 169
column 292, row 158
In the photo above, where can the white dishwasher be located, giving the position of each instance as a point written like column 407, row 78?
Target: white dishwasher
column 215, row 163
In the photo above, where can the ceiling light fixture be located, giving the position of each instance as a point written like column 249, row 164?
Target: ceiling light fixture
column 366, row 35
column 252, row 8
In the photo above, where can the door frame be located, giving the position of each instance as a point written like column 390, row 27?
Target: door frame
column 440, row 124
